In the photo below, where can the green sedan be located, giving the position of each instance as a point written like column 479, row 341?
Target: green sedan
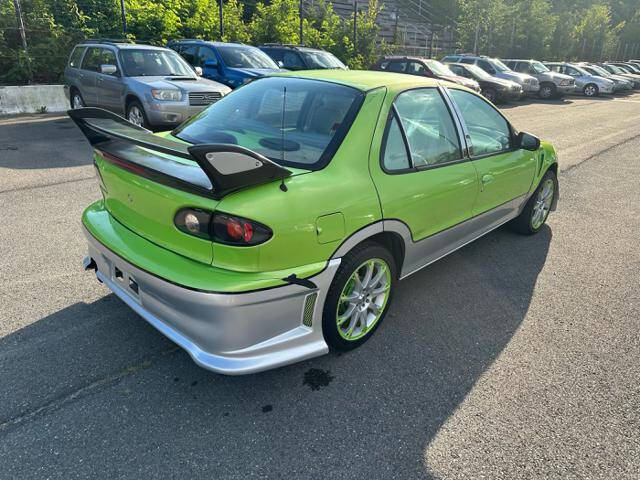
column 276, row 224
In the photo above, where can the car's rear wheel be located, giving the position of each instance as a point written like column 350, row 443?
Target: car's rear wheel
column 591, row 90
column 547, row 90
column 490, row 94
column 136, row 114
column 538, row 207
column 76, row 100
column 359, row 296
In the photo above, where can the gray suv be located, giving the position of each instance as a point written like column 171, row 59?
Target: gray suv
column 552, row 84
column 150, row 86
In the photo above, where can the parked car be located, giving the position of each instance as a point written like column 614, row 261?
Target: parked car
column 586, row 83
column 299, row 57
column 496, row 68
column 494, row 89
column 552, row 84
column 622, row 84
column 627, row 67
column 619, row 72
column 150, row 86
column 233, row 64
column 424, row 67
column 285, row 214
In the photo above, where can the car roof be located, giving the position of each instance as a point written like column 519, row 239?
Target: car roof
column 365, row 79
column 302, row 48
column 208, row 42
column 137, row 46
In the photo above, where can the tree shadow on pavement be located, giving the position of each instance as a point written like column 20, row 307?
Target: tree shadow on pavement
column 130, row 402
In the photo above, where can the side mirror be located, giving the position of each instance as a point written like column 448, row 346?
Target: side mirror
column 108, row 69
column 526, row 141
column 198, row 71
column 211, row 63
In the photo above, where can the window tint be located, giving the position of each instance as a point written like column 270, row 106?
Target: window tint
column 488, row 129
column 147, row 62
column 206, row 54
column 470, row 61
column 571, row 71
column 522, row 67
column 486, row 66
column 398, row 67
column 244, row 56
column 429, row 127
column 76, row 56
column 92, row 59
column 189, row 53
column 554, row 68
column 395, row 151
column 292, row 61
column 458, row 70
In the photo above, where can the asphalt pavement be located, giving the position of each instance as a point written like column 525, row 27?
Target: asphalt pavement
column 513, row 358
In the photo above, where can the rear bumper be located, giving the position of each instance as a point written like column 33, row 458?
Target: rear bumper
column 229, row 333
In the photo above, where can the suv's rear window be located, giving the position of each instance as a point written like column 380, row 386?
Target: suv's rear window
column 312, row 117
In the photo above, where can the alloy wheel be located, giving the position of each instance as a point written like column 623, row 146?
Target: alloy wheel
column 546, row 92
column 590, row 91
column 135, row 116
column 363, row 299
column 542, row 206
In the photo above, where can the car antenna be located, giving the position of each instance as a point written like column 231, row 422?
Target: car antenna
column 283, row 187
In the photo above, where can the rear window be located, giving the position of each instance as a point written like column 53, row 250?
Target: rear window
column 295, row 122
column 76, row 57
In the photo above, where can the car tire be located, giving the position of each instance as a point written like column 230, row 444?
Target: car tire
column 537, row 209
column 137, row 115
column 490, row 94
column 76, row 100
column 547, row 91
column 591, row 90
column 344, row 330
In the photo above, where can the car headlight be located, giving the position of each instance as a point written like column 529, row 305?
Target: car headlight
column 170, row 95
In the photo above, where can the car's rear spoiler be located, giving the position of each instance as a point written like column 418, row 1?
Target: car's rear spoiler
column 222, row 168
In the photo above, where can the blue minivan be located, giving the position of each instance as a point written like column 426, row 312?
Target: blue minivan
column 232, row 64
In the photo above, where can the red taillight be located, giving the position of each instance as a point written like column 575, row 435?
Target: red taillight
column 238, row 231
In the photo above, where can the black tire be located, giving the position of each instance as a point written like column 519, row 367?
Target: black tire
column 135, row 104
column 73, row 95
column 591, row 90
column 354, row 259
column 523, row 223
column 547, row 91
column 490, row 94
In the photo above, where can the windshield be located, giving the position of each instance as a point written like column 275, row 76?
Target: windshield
column 498, row 65
column 580, row 70
column 615, row 69
column 292, row 121
column 438, row 68
column 322, row 60
column 597, row 70
column 242, row 56
column 478, row 72
column 147, row 63
column 539, row 67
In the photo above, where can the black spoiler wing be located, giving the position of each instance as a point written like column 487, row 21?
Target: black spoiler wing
column 222, row 168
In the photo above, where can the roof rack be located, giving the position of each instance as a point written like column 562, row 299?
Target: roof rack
column 107, row 40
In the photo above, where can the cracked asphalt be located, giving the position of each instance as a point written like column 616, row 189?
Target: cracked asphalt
column 513, row 358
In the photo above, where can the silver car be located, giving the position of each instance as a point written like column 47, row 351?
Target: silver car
column 496, row 68
column 587, row 83
column 621, row 84
column 150, row 86
column 552, row 84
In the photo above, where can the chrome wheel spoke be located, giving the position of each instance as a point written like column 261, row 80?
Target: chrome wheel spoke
column 377, row 291
column 367, row 276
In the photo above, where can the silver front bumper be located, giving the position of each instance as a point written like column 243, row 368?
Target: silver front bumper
column 230, row 333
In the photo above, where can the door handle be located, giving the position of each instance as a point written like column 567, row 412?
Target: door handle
column 487, row 179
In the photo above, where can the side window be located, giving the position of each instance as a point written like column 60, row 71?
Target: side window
column 92, row 59
column 395, row 152
column 397, row 66
column 206, row 54
column 571, row 71
column 415, row 68
column 109, row 58
column 76, row 56
column 486, row 66
column 274, row 53
column 429, row 128
column 189, row 53
column 470, row 61
column 489, row 131
column 292, row 61
column 522, row 67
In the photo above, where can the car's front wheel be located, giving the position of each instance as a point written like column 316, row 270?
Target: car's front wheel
column 136, row 114
column 591, row 90
column 538, row 207
column 547, row 90
column 359, row 296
